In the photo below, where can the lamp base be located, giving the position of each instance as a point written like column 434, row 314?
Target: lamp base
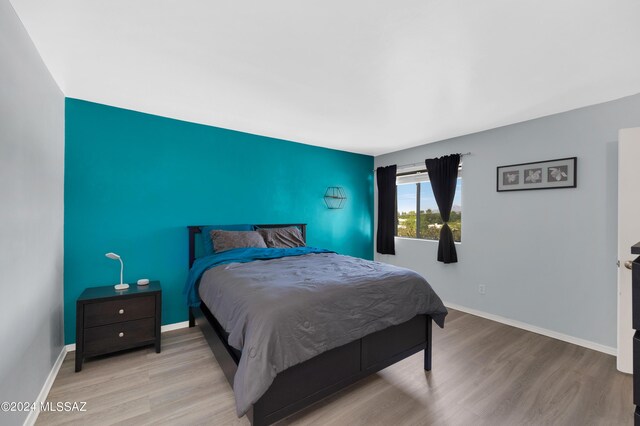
column 121, row 286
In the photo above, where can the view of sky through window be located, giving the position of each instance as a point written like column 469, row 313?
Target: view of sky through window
column 407, row 197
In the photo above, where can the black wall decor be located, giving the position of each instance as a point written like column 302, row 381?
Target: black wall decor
column 549, row 174
column 335, row 197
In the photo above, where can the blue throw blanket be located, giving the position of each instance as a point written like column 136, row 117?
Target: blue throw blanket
column 240, row 255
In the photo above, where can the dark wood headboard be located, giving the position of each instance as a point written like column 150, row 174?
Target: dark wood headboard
column 197, row 229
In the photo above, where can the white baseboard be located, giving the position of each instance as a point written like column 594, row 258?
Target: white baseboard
column 174, row 326
column 539, row 330
column 44, row 392
column 169, row 327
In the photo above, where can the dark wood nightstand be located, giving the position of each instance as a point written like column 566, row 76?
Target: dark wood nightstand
column 110, row 320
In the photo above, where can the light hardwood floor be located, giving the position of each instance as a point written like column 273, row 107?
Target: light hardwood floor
column 484, row 373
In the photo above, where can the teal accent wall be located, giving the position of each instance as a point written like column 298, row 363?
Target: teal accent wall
column 134, row 181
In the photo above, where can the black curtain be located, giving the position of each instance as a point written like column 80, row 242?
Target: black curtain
column 386, row 179
column 443, row 174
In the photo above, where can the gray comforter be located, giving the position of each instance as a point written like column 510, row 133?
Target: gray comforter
column 282, row 312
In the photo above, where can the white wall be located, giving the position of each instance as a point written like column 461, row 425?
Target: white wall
column 547, row 258
column 31, row 216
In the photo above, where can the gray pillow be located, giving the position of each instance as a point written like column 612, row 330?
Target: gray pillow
column 227, row 240
column 282, row 237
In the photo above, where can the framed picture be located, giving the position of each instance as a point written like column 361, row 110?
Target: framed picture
column 551, row 174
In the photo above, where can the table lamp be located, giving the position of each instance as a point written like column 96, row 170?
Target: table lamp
column 121, row 286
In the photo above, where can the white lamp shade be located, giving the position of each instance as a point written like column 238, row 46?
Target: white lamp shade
column 112, row 256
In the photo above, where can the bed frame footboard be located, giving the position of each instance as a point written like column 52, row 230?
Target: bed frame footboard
column 309, row 382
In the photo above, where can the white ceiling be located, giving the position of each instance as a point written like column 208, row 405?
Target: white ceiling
column 360, row 75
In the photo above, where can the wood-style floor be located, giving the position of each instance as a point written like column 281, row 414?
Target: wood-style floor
column 484, row 373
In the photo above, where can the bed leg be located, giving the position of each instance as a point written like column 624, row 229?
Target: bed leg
column 192, row 319
column 427, row 349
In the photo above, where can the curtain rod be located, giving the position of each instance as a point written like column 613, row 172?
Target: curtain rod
column 404, row 166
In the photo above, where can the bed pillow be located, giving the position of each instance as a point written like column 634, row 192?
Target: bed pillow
column 282, row 237
column 227, row 240
column 207, row 244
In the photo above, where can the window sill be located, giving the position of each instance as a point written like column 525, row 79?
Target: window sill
column 425, row 240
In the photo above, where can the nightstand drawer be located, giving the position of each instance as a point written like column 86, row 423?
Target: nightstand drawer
column 114, row 311
column 113, row 337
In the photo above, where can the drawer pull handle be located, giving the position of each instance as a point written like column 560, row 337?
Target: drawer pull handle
column 121, row 334
column 121, row 311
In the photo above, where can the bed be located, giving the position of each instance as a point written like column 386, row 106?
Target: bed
column 331, row 358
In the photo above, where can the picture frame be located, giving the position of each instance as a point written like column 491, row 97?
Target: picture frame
column 549, row 174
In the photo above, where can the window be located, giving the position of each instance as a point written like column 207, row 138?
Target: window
column 415, row 195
